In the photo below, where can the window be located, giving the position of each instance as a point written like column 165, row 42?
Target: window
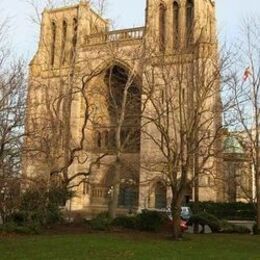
column 189, row 21
column 124, row 137
column 183, row 95
column 64, row 39
column 128, row 196
column 74, row 38
column 85, row 188
column 160, row 196
column 98, row 139
column 112, row 139
column 175, row 24
column 162, row 142
column 162, row 26
column 162, row 96
column 106, row 138
column 53, row 42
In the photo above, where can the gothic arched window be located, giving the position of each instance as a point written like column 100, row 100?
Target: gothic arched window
column 53, row 42
column 74, row 38
column 162, row 26
column 64, row 39
column 189, row 21
column 176, row 10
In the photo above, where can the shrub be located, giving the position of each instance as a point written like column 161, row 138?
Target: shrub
column 151, row 220
column 204, row 218
column 130, row 222
column 12, row 227
column 102, row 222
column 17, row 217
column 41, row 206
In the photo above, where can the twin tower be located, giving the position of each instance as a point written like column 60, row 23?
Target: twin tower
column 169, row 25
column 178, row 24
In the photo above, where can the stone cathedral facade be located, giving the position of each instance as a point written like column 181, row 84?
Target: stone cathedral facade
column 78, row 77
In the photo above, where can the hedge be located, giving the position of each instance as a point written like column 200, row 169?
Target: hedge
column 229, row 211
column 148, row 220
column 216, row 225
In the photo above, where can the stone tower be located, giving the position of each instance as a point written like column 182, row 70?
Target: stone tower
column 184, row 33
column 76, row 132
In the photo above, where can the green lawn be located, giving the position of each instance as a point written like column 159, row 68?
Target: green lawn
column 116, row 246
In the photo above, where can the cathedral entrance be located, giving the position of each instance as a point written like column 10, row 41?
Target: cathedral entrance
column 118, row 135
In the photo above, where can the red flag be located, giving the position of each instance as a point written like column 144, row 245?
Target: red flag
column 247, row 73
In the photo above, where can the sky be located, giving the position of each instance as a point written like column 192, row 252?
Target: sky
column 124, row 13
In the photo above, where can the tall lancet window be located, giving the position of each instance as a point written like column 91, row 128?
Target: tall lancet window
column 53, row 42
column 162, row 26
column 64, row 40
column 74, row 38
column 189, row 21
column 175, row 25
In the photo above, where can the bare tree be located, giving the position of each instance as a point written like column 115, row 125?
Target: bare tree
column 183, row 121
column 12, row 107
column 245, row 89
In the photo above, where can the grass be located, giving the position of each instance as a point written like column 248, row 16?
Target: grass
column 134, row 246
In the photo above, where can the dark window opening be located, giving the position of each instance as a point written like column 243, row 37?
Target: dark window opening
column 98, row 139
column 112, row 139
column 64, row 39
column 175, row 25
column 106, row 139
column 162, row 26
column 74, row 39
column 189, row 21
column 53, row 42
column 128, row 197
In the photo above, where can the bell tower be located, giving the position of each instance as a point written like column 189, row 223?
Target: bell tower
column 175, row 24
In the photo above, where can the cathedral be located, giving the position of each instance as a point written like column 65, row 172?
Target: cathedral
column 104, row 106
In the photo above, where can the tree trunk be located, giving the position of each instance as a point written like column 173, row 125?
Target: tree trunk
column 176, row 220
column 115, row 191
column 196, row 191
